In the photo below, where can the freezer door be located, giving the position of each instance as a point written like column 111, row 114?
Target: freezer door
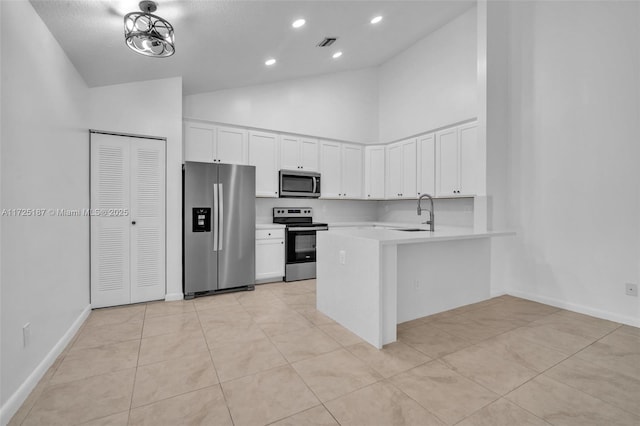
column 237, row 227
column 200, row 227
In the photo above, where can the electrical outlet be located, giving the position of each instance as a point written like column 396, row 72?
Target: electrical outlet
column 26, row 334
column 631, row 289
column 343, row 257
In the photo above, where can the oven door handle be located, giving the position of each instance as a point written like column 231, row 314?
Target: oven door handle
column 307, row 228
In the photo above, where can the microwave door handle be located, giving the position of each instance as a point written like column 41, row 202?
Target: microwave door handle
column 315, row 184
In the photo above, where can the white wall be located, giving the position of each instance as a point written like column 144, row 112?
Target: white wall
column 45, row 153
column 431, row 84
column 575, row 182
column 152, row 108
column 341, row 106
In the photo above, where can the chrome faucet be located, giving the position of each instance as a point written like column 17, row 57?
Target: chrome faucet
column 429, row 222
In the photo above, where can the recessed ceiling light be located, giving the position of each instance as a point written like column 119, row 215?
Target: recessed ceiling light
column 376, row 19
column 337, row 55
column 298, row 23
column 270, row 62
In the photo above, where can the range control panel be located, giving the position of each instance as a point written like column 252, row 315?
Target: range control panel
column 292, row 212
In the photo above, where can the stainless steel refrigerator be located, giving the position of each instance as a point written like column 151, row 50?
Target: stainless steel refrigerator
column 219, row 234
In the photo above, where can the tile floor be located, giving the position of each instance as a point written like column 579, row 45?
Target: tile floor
column 268, row 357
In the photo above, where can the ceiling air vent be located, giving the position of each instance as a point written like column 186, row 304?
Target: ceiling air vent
column 328, row 41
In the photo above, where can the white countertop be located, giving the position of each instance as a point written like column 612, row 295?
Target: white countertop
column 383, row 232
column 269, row 226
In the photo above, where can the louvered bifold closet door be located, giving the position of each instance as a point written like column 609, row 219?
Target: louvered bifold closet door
column 110, row 170
column 148, row 213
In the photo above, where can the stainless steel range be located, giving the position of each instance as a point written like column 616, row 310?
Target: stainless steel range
column 300, row 241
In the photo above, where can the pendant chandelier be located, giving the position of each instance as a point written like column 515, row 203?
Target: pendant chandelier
column 148, row 34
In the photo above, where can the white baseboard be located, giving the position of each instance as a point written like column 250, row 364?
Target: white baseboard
column 581, row 309
column 10, row 408
column 170, row 297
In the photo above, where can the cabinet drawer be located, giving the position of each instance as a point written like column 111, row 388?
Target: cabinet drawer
column 268, row 234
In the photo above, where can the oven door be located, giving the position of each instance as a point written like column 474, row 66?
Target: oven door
column 301, row 246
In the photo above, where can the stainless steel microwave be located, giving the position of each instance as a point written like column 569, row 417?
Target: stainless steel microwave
column 299, row 184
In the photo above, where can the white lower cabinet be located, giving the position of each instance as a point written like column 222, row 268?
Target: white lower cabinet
column 270, row 254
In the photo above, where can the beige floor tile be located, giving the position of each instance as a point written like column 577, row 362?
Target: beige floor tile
column 629, row 330
column 503, row 363
column 215, row 301
column 120, row 419
column 102, row 335
column 170, row 346
column 617, row 349
column 201, row 407
column 602, row 382
column 410, row 324
column 554, row 337
column 223, row 314
column 335, row 374
column 316, row 317
column 476, row 325
column 259, row 298
column 519, row 310
column 83, row 400
column 223, row 334
column 502, row 413
column 340, row 334
column 584, row 326
column 560, row 404
column 82, row 363
column 380, row 404
column 299, row 299
column 442, row 391
column 391, row 359
column 304, row 344
column 158, row 309
column 267, row 396
column 282, row 325
column 242, row 359
column 117, row 315
column 316, row 416
column 33, row 397
column 431, row 340
column 170, row 378
column 168, row 324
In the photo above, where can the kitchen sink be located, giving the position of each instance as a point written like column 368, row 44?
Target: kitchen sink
column 412, row 229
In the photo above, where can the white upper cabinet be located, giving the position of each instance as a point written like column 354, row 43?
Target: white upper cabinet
column 330, row 169
column 427, row 164
column 374, row 166
column 341, row 167
column 351, row 171
column 297, row 153
column 209, row 143
column 263, row 153
column 232, row 146
column 456, row 162
column 401, row 176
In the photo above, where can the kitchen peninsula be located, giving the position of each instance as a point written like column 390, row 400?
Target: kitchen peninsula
column 370, row 277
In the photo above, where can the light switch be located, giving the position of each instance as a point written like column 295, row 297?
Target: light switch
column 343, row 257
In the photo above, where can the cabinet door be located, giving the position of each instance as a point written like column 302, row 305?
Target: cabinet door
column 110, row 177
column 147, row 216
column 309, row 154
column 231, row 146
column 199, row 142
column 351, row 171
column 289, row 152
column 374, row 172
column 427, row 165
column 447, row 162
column 393, row 181
column 330, row 169
column 409, row 177
column 269, row 259
column 263, row 153
column 468, row 143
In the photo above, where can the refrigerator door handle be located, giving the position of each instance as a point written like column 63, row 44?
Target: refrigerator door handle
column 215, row 217
column 220, row 216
